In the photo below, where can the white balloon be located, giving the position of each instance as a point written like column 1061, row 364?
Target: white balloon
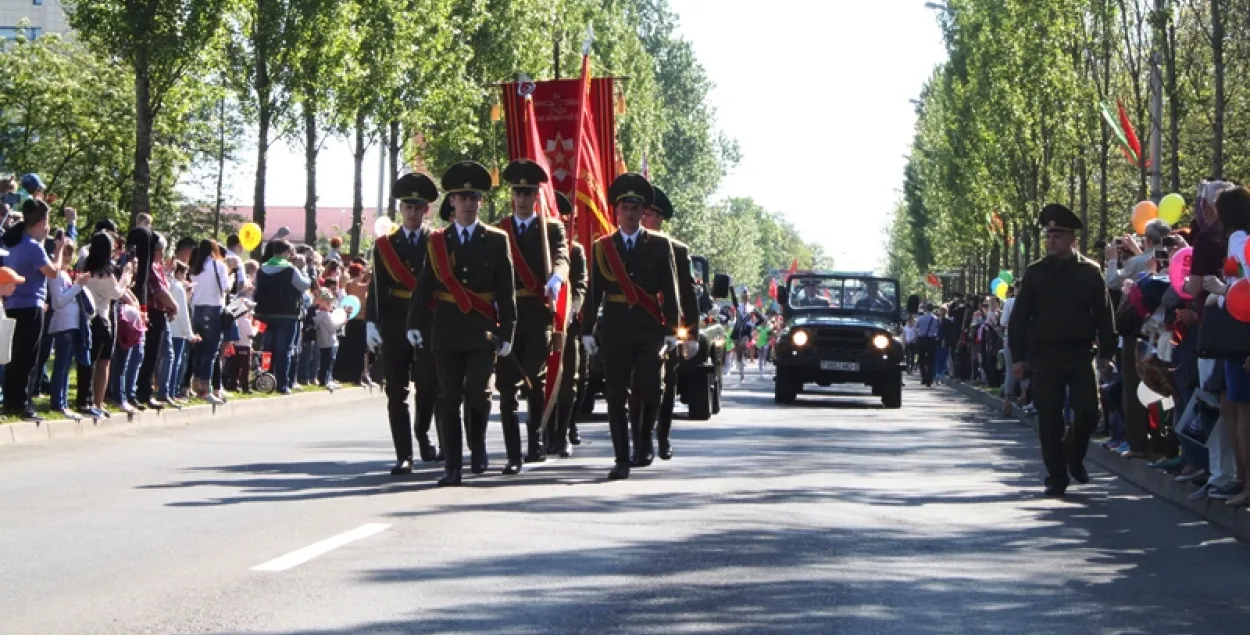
column 382, row 226
column 1147, row 396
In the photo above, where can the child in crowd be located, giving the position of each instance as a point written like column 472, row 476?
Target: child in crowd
column 66, row 329
column 181, row 337
column 327, row 323
column 239, row 366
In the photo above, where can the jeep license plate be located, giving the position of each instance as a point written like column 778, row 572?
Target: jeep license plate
column 849, row 367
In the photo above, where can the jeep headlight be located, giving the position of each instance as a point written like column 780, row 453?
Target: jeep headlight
column 799, row 338
column 881, row 341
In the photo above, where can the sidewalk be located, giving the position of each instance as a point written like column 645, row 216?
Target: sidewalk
column 25, row 432
column 1155, row 482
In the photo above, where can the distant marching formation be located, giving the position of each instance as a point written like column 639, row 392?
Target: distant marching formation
column 453, row 309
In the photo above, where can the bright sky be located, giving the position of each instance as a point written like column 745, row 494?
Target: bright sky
column 815, row 91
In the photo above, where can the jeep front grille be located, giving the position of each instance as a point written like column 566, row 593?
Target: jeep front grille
column 844, row 341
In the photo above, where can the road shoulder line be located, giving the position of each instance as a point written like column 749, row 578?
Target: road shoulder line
column 320, row 548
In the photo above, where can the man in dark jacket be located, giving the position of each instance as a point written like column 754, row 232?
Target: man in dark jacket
column 280, row 288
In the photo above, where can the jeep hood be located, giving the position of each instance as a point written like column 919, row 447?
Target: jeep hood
column 861, row 321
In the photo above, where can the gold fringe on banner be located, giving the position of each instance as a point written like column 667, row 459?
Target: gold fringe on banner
column 494, row 112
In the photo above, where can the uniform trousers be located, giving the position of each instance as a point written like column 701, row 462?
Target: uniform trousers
column 1053, row 380
column 668, row 399
column 637, row 365
column 464, row 377
column 927, row 346
column 530, row 352
column 403, row 369
column 557, row 431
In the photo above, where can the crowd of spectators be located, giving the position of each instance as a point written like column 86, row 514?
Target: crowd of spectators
column 149, row 322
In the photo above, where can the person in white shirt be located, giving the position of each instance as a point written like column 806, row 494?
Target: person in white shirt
column 105, row 290
column 208, row 297
column 169, row 374
column 1009, row 378
column 909, row 339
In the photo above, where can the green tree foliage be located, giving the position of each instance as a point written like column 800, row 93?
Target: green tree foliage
column 163, row 42
column 1010, row 122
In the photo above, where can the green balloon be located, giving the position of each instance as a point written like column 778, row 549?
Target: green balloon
column 1006, row 276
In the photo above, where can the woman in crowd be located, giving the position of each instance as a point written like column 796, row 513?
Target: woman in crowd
column 181, row 334
column 106, row 285
column 65, row 330
column 353, row 360
column 208, row 297
column 1234, row 214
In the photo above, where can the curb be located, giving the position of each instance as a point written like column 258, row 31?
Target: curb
column 1155, row 482
column 25, row 432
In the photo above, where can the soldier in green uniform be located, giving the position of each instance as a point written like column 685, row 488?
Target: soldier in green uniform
column 397, row 263
column 634, row 279
column 558, row 440
column 660, row 211
column 468, row 286
column 1062, row 310
column 542, row 265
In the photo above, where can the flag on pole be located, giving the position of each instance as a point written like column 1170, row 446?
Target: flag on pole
column 593, row 217
column 548, row 208
column 1117, row 131
column 1127, row 125
column 772, row 288
column 794, row 266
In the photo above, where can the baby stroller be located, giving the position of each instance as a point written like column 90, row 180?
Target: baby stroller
column 263, row 380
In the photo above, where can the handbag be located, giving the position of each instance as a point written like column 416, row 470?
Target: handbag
column 1221, row 336
column 1199, row 419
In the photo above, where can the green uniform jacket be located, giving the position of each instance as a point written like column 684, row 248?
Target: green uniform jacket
column 578, row 280
column 1061, row 310
column 483, row 266
column 651, row 266
column 388, row 302
column 533, row 314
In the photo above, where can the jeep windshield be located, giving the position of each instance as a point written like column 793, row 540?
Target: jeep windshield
column 844, row 294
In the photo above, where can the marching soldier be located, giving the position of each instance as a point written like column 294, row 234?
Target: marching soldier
column 1063, row 309
column 541, row 263
column 398, row 261
column 660, row 211
column 468, row 285
column 560, row 429
column 635, row 280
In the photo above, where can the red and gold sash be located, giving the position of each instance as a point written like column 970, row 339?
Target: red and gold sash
column 634, row 296
column 464, row 299
column 528, row 280
column 394, row 265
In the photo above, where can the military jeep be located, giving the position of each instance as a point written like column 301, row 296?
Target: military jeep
column 841, row 329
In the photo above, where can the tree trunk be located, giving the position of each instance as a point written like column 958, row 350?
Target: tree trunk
column 221, row 163
column 1174, row 110
column 310, row 172
column 265, row 115
column 1083, row 182
column 1217, row 56
column 395, row 145
column 1104, row 147
column 358, row 183
column 140, row 203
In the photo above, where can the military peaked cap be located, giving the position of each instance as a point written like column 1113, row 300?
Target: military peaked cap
column 466, row 176
column 662, row 204
column 565, row 205
column 524, row 173
column 631, row 187
column 1056, row 216
column 414, row 187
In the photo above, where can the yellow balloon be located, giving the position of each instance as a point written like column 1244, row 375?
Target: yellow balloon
column 1171, row 208
column 1001, row 291
column 250, row 236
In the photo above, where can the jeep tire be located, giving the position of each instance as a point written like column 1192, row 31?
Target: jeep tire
column 891, row 390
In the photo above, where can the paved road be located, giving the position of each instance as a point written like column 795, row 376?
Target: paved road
column 833, row 516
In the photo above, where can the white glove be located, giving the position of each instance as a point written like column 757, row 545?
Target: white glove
column 505, row 349
column 670, row 343
column 553, row 286
column 689, row 348
column 1214, row 285
column 591, row 346
column 372, row 337
column 414, row 338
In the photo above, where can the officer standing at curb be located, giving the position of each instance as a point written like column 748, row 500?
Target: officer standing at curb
column 539, row 281
column 1062, row 310
column 468, row 285
column 575, row 363
column 635, row 280
column 398, row 261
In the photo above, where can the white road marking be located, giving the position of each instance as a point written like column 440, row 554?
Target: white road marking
column 300, row 556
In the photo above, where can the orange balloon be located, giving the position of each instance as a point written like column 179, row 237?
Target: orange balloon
column 1143, row 213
